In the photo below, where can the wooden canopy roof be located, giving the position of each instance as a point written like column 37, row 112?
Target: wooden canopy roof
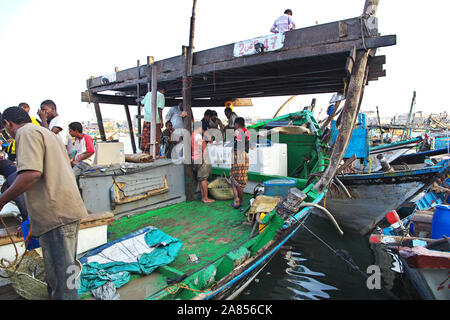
column 317, row 59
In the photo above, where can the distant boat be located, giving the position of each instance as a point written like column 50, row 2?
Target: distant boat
column 391, row 152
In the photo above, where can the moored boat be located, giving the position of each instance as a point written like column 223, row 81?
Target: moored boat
column 374, row 195
column 425, row 256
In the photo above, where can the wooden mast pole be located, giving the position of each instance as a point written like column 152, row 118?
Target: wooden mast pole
column 154, row 110
column 187, row 106
column 352, row 105
column 130, row 128
column 139, row 105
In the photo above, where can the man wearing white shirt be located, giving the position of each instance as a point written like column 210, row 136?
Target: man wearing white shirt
column 176, row 115
column 52, row 121
column 283, row 23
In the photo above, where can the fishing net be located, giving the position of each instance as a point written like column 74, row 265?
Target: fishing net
column 28, row 280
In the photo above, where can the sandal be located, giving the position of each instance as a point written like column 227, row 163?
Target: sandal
column 235, row 206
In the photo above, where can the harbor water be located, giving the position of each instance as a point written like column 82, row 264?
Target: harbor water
column 306, row 269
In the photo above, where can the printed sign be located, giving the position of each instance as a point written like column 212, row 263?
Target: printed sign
column 267, row 43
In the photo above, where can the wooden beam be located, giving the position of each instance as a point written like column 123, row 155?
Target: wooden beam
column 187, row 107
column 350, row 111
column 101, row 128
column 153, row 129
column 107, row 99
column 269, row 59
column 130, row 128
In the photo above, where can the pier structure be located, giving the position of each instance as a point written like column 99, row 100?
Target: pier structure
column 336, row 57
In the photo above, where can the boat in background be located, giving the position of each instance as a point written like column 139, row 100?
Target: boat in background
column 425, row 260
column 373, row 195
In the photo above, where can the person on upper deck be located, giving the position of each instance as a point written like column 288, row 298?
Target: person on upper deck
column 83, row 159
column 283, row 23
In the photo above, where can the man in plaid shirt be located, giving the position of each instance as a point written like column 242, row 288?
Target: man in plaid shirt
column 283, row 23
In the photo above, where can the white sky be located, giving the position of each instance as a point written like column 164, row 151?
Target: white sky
column 50, row 48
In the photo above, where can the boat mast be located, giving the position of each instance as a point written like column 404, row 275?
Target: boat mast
column 354, row 95
column 408, row 126
column 187, row 106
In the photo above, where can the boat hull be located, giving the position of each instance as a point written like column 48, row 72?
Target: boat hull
column 432, row 284
column 240, row 279
column 372, row 196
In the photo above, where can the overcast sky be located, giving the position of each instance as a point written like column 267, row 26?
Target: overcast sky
column 49, row 48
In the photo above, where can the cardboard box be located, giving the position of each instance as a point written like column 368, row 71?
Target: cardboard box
column 109, row 153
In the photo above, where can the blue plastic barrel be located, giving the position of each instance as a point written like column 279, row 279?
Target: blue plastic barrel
column 440, row 225
column 34, row 242
column 278, row 187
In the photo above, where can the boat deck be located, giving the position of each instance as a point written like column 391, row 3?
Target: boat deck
column 206, row 230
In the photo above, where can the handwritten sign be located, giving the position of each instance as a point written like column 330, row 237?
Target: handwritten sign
column 271, row 42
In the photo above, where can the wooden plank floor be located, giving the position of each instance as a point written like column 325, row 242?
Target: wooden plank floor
column 206, row 230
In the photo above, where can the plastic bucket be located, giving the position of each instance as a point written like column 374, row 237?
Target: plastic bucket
column 34, row 242
column 278, row 187
column 440, row 225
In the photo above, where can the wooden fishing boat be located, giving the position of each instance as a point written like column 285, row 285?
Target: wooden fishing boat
column 222, row 249
column 426, row 261
column 418, row 157
column 374, row 195
column 218, row 242
column 391, row 152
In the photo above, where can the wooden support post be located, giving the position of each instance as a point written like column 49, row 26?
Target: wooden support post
column 101, row 128
column 139, row 105
column 187, row 106
column 379, row 123
column 130, row 128
column 350, row 111
column 371, row 7
column 153, row 141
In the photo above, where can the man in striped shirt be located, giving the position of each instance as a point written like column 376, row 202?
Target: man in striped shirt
column 283, row 23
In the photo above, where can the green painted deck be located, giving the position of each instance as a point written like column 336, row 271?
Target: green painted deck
column 207, row 230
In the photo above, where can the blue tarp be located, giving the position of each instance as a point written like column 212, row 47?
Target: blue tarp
column 94, row 274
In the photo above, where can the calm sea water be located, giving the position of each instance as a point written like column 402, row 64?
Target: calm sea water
column 305, row 269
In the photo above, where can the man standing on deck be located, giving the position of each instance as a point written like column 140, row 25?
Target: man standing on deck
column 55, row 209
column 176, row 116
column 160, row 103
column 201, row 168
column 51, row 120
column 283, row 23
column 231, row 116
